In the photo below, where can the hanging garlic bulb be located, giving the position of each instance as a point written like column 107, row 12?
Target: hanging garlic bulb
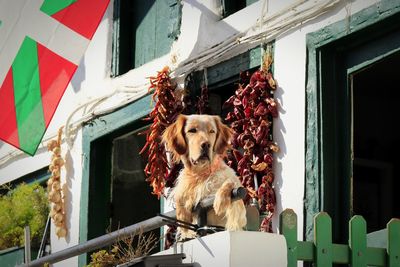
column 56, row 186
column 55, row 194
column 58, row 217
column 61, row 231
column 57, row 207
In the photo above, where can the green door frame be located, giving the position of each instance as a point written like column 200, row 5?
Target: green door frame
column 92, row 132
column 333, row 53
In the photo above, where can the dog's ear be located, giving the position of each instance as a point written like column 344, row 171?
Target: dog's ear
column 174, row 137
column 224, row 135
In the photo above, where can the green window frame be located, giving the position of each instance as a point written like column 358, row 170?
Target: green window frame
column 142, row 31
column 331, row 57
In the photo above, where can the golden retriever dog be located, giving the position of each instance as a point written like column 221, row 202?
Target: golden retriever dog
column 199, row 142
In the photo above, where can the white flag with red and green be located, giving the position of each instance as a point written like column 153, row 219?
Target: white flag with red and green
column 41, row 45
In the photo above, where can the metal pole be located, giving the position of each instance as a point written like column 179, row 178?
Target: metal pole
column 27, row 236
column 43, row 243
column 101, row 241
column 145, row 226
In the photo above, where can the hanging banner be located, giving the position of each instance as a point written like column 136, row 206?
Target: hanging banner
column 41, row 45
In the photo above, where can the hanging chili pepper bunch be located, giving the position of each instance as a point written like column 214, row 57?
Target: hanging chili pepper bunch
column 254, row 108
column 166, row 109
column 55, row 194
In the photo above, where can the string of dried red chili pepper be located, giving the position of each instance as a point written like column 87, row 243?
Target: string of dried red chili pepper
column 254, row 108
column 166, row 109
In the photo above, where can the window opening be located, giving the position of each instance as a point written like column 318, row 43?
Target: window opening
column 376, row 144
column 143, row 30
column 119, row 194
column 232, row 6
column 130, row 191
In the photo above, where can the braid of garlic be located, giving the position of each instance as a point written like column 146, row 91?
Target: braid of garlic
column 54, row 188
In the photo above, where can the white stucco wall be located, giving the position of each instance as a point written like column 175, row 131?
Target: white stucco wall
column 201, row 29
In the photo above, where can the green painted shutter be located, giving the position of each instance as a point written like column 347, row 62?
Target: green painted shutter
column 143, row 30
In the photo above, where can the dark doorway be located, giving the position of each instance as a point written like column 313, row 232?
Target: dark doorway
column 131, row 198
column 376, row 98
column 119, row 193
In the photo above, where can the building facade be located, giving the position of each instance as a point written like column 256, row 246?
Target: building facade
column 336, row 64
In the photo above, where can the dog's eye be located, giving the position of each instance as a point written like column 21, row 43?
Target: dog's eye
column 193, row 130
column 212, row 131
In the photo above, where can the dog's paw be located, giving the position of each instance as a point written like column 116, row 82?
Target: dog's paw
column 221, row 204
column 223, row 198
column 236, row 216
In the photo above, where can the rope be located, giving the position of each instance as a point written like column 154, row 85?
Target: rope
column 279, row 23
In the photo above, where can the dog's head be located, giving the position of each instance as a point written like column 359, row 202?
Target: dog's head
column 197, row 139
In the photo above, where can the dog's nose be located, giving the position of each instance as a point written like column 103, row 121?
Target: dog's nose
column 205, row 146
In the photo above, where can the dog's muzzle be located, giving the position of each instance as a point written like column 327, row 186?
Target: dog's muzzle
column 204, row 155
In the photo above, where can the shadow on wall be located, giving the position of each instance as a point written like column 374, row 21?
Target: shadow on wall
column 210, row 24
column 79, row 76
column 67, row 190
column 20, row 156
column 278, row 131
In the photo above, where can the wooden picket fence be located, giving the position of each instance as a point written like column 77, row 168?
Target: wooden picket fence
column 322, row 252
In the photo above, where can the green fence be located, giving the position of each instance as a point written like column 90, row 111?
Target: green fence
column 12, row 257
column 322, row 252
column 15, row 256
